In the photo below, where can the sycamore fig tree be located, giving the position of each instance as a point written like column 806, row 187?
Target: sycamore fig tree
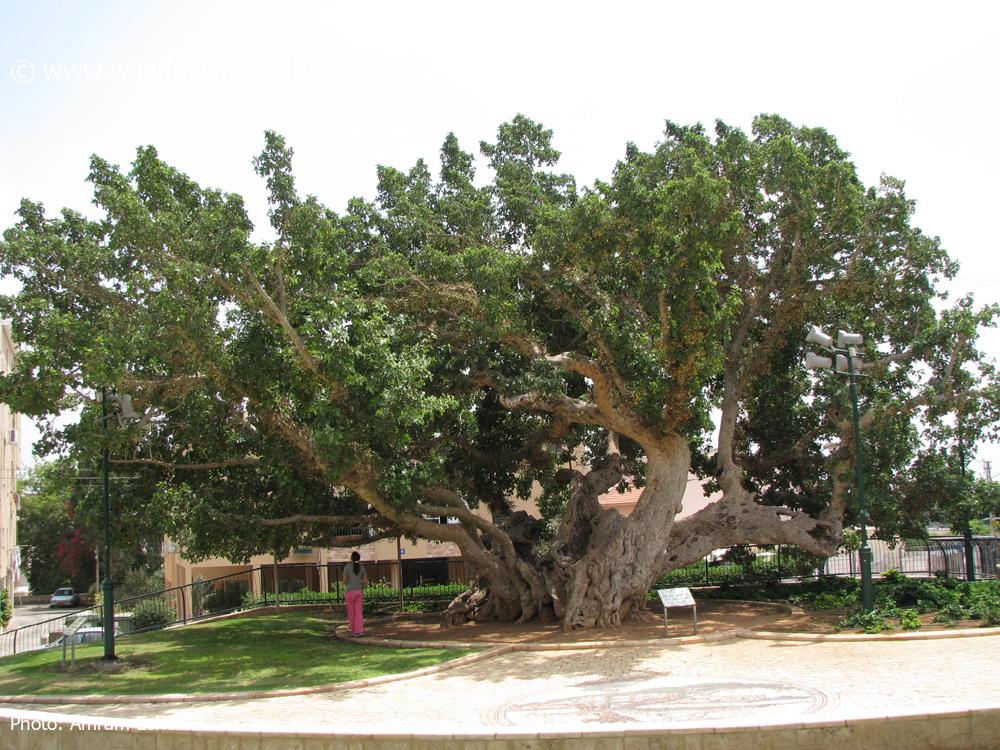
column 457, row 342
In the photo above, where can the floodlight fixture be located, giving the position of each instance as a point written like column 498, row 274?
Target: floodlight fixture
column 125, row 405
column 845, row 339
column 844, row 367
column 816, row 336
column 816, row 362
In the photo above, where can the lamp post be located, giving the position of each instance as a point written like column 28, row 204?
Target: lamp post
column 107, row 587
column 970, row 556
column 846, row 353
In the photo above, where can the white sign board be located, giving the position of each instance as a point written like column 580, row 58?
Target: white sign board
column 676, row 597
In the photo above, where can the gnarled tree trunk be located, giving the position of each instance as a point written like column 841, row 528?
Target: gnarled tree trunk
column 601, row 564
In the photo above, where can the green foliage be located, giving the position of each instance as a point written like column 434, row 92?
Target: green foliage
column 304, row 596
column 823, row 593
column 977, row 527
column 62, row 520
column 222, row 600
column 47, row 524
column 910, row 619
column 724, row 574
column 138, row 582
column 851, row 541
column 473, row 339
column 927, row 595
column 152, row 613
column 799, row 562
column 982, row 600
column 826, row 600
column 428, row 597
column 741, row 564
column 6, row 608
column 871, row 622
column 897, row 596
column 741, row 555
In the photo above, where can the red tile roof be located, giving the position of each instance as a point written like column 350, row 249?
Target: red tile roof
column 694, row 498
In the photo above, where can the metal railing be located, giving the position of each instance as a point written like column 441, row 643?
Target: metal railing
column 424, row 581
column 923, row 557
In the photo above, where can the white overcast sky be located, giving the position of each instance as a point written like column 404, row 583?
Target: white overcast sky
column 909, row 88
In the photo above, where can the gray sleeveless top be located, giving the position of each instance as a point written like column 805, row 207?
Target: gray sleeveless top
column 352, row 579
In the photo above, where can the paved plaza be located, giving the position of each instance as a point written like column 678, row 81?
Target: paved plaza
column 665, row 684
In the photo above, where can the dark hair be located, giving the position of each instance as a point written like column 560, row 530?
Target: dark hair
column 355, row 557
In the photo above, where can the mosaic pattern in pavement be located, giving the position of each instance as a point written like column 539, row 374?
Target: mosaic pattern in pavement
column 664, row 700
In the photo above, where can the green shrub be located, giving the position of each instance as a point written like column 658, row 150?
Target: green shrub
column 6, row 608
column 138, row 582
column 990, row 616
column 797, row 562
column 983, row 602
column 826, row 600
column 893, row 576
column 151, row 614
column 222, row 600
column 910, row 619
column 741, row 555
column 303, row 596
column 870, row 621
column 927, row 595
column 431, row 595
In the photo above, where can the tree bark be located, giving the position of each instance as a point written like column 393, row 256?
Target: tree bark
column 601, row 564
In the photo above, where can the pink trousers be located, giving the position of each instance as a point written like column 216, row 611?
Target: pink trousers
column 355, row 620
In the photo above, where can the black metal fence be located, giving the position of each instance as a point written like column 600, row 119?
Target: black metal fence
column 432, row 583
column 755, row 564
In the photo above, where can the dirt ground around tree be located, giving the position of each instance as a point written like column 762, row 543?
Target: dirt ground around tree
column 714, row 617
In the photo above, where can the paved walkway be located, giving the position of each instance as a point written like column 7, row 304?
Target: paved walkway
column 666, row 683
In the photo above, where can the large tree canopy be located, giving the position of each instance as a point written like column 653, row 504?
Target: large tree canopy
column 457, row 342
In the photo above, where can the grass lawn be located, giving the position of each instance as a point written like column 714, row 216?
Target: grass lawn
column 270, row 652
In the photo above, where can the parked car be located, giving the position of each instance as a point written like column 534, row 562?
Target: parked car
column 65, row 597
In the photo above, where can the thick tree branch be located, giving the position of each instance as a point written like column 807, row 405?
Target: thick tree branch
column 343, row 522
column 609, row 370
column 566, row 407
column 727, row 522
column 248, row 461
column 607, row 410
column 272, row 310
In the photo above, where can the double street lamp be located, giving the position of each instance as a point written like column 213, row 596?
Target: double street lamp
column 846, row 362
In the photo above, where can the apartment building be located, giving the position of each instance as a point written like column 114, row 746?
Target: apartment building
column 10, row 465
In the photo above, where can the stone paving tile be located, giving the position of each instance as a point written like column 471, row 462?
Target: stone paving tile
column 753, row 681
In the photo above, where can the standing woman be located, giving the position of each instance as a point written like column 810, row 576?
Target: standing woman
column 355, row 577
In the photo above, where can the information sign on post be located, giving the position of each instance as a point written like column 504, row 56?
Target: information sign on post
column 677, row 598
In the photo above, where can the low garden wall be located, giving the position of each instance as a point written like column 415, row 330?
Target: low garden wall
column 963, row 730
